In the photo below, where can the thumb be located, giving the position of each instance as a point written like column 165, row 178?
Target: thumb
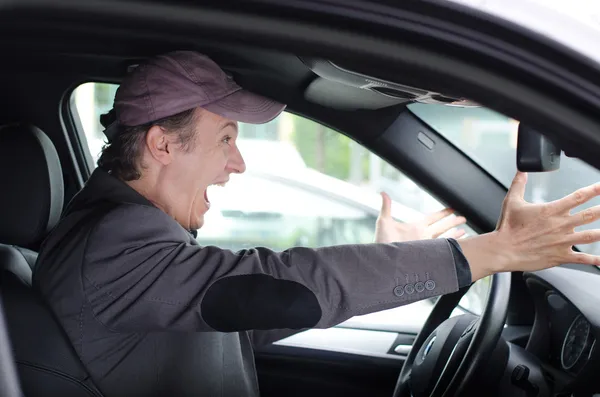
column 386, row 206
column 517, row 188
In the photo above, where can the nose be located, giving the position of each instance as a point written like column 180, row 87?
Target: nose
column 236, row 162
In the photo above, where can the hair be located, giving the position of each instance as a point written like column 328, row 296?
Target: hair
column 122, row 157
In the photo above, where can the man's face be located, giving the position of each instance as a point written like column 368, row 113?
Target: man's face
column 210, row 160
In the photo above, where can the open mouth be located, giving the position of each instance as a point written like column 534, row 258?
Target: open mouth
column 206, row 200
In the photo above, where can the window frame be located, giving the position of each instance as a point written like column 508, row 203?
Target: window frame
column 74, row 131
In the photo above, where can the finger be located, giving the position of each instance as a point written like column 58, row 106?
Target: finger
column 584, row 237
column 585, row 217
column 585, row 259
column 386, row 206
column 446, row 224
column 437, row 216
column 517, row 188
column 455, row 233
column 576, row 198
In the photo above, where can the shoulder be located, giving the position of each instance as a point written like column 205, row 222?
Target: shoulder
column 134, row 224
column 128, row 240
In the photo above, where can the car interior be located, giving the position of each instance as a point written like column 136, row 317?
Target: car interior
column 537, row 333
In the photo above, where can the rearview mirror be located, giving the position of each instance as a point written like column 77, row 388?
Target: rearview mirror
column 535, row 152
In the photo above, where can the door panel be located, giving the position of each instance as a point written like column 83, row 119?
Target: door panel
column 299, row 371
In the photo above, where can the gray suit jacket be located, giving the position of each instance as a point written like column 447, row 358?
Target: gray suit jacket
column 149, row 311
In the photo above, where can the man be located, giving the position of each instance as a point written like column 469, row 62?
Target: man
column 150, row 312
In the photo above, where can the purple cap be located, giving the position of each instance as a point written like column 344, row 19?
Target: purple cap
column 182, row 80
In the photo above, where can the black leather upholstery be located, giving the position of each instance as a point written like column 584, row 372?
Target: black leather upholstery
column 32, row 185
column 46, row 362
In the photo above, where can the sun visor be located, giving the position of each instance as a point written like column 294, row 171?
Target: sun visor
column 345, row 97
column 341, row 88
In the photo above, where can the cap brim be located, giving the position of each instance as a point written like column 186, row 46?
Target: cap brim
column 246, row 107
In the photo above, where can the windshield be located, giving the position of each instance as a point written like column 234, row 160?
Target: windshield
column 579, row 20
column 490, row 139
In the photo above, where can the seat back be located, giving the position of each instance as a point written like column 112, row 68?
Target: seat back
column 30, row 206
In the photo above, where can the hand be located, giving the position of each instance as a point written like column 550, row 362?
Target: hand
column 531, row 237
column 388, row 230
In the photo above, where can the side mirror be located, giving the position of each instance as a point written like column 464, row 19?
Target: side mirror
column 535, row 152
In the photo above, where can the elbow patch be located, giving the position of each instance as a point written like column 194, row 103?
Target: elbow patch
column 259, row 301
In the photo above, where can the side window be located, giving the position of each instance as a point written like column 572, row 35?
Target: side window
column 305, row 185
column 88, row 102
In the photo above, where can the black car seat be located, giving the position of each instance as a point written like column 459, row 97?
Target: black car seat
column 30, row 205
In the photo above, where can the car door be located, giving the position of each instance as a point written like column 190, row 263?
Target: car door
column 311, row 186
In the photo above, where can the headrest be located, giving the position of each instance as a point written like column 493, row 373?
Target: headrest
column 32, row 185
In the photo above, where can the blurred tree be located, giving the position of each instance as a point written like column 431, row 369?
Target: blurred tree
column 330, row 152
column 320, row 148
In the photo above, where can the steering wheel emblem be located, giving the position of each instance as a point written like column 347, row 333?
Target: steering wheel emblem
column 428, row 348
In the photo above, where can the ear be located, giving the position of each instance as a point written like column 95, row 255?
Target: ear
column 158, row 145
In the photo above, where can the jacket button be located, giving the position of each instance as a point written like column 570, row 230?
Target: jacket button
column 429, row 285
column 419, row 287
column 409, row 289
column 399, row 291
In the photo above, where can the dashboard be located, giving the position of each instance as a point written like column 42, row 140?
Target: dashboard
column 567, row 326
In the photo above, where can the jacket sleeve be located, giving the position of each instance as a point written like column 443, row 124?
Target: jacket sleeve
column 142, row 273
column 463, row 272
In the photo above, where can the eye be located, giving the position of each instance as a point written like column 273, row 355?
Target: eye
column 226, row 139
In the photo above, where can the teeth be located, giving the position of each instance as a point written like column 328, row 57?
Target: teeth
column 218, row 184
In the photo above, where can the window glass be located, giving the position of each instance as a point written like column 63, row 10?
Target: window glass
column 490, row 139
column 90, row 100
column 304, row 185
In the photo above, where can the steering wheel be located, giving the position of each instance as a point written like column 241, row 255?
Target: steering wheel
column 448, row 351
